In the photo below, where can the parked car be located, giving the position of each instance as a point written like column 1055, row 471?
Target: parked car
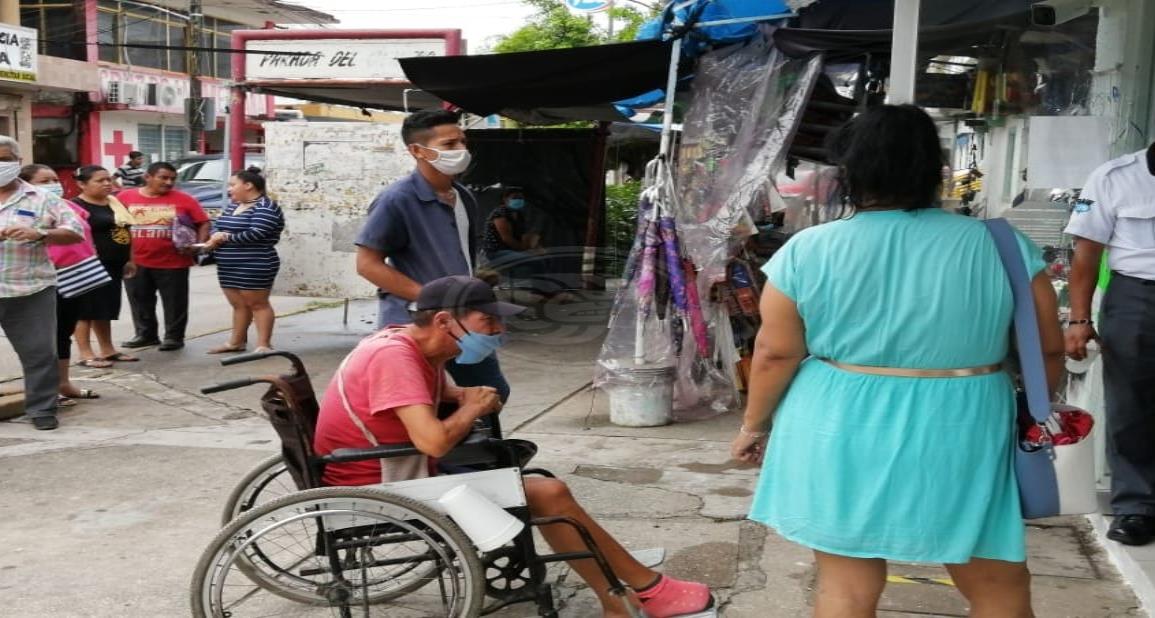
column 204, row 176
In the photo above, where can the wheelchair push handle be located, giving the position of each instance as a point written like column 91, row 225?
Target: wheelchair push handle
column 255, row 356
column 298, row 366
column 230, row 385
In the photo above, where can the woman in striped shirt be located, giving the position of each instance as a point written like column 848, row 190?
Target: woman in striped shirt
column 244, row 243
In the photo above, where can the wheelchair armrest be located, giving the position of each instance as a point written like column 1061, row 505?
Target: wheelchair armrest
column 383, row 451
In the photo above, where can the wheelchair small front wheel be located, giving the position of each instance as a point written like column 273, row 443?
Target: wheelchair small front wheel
column 348, row 551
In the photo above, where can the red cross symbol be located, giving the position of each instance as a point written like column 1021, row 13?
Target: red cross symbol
column 117, row 148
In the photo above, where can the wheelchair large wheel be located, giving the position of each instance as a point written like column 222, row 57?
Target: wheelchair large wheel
column 341, row 551
column 268, row 481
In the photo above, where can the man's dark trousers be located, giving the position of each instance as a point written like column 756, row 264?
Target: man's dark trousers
column 1127, row 330
column 29, row 323
column 172, row 284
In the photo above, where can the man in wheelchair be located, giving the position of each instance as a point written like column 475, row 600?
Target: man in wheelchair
column 388, row 390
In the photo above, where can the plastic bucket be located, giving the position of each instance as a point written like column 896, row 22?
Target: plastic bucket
column 641, row 396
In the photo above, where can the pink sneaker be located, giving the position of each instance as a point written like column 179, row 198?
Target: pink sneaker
column 674, row 598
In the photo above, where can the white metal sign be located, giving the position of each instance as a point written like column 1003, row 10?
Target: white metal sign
column 17, row 53
column 336, row 58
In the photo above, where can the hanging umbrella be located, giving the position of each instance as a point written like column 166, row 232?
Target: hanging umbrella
column 645, row 287
column 694, row 309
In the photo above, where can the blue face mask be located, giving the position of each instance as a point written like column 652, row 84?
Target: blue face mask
column 516, row 203
column 476, row 347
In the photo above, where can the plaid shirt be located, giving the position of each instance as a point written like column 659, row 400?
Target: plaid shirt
column 24, row 266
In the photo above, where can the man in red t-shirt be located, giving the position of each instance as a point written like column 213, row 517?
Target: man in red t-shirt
column 387, row 391
column 160, row 266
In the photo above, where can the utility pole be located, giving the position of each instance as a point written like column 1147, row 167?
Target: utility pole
column 610, row 14
column 195, row 106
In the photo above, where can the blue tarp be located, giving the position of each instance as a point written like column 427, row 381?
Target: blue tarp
column 710, row 11
column 701, row 39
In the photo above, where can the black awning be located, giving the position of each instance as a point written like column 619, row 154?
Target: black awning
column 848, row 28
column 581, row 77
column 879, row 14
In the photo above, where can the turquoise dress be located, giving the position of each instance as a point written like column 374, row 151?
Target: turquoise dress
column 910, row 469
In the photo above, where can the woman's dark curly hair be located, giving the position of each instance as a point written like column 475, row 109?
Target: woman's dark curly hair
column 253, row 176
column 889, row 156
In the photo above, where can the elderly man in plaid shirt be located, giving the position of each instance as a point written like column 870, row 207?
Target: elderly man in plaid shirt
column 30, row 219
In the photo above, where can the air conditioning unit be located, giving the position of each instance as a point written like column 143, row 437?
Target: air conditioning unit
column 169, row 97
column 114, row 93
column 129, row 94
column 138, row 95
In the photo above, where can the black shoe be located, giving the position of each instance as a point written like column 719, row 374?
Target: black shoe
column 45, row 423
column 1132, row 529
column 169, row 346
column 139, row 342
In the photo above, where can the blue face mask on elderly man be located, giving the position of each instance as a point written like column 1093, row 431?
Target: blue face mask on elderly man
column 476, row 347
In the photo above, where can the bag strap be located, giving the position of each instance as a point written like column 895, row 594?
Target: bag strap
column 1026, row 320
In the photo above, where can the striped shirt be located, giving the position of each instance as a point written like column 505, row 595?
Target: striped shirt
column 24, row 265
column 130, row 176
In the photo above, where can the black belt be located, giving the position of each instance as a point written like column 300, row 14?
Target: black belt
column 1138, row 280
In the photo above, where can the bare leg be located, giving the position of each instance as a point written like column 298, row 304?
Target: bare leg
column 257, row 303
column 83, row 341
column 994, row 588
column 103, row 331
column 848, row 587
column 242, row 317
column 551, row 497
column 66, row 388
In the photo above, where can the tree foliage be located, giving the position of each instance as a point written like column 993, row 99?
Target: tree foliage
column 555, row 27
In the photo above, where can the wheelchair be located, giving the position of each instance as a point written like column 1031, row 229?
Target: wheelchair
column 293, row 547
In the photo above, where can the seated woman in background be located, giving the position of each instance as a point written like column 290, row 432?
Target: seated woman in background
column 509, row 247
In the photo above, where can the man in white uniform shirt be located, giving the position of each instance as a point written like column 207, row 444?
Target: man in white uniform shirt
column 1117, row 209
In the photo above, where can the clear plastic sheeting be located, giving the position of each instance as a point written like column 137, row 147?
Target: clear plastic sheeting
column 746, row 107
column 747, row 103
column 623, row 350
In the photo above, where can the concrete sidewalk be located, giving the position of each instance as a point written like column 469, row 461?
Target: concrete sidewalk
column 119, row 502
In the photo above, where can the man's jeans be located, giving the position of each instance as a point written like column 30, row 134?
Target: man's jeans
column 29, row 322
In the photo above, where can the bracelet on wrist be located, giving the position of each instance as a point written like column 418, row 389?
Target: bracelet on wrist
column 753, row 434
column 1088, row 322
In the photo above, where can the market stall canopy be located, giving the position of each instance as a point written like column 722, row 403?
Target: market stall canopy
column 545, row 86
column 847, row 28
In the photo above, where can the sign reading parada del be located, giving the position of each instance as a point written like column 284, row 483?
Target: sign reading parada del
column 336, row 58
column 17, row 53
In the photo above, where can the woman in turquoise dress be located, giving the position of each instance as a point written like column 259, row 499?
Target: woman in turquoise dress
column 875, row 453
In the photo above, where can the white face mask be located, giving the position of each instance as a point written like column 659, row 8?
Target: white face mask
column 9, row 171
column 54, row 188
column 450, row 162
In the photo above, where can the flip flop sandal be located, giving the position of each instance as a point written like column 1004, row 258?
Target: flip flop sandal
column 121, row 357
column 84, row 393
column 64, row 402
column 95, row 363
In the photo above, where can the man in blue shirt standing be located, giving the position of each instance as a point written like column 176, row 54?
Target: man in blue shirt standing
column 421, row 228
